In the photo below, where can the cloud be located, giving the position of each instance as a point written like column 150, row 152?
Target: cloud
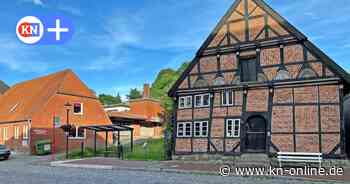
column 71, row 10
column 104, row 63
column 19, row 57
column 35, row 2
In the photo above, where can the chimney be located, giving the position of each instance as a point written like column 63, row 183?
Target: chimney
column 146, row 91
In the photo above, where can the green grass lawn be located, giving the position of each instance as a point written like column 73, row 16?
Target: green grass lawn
column 153, row 151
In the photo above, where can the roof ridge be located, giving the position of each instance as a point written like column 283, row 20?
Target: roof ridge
column 40, row 77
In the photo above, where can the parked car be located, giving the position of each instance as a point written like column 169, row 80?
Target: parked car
column 4, row 152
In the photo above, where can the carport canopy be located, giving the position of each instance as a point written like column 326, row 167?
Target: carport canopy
column 107, row 129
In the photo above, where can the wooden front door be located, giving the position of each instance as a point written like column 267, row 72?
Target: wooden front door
column 255, row 139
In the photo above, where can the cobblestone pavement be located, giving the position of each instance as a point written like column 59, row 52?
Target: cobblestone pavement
column 33, row 170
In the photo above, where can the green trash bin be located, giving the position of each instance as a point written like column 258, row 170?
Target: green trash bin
column 43, row 147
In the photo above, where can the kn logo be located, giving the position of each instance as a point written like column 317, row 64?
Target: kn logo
column 44, row 30
column 30, row 30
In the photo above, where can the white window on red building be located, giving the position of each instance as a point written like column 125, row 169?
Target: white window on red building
column 77, row 133
column 201, row 128
column 5, row 134
column 17, row 132
column 78, row 108
column 184, row 129
column 25, row 132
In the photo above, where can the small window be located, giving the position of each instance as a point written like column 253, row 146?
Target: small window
column 13, row 108
column 227, row 98
column 282, row 75
column 219, row 81
column 17, row 132
column 233, row 127
column 202, row 100
column 201, row 128
column 5, row 134
column 78, row 108
column 184, row 129
column 307, row 73
column 25, row 132
column 76, row 133
column 248, row 69
column 185, row 102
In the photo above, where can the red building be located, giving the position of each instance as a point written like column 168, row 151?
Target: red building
column 144, row 115
column 29, row 109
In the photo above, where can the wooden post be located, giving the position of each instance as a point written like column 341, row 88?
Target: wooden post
column 95, row 143
column 82, row 149
column 106, row 144
column 132, row 140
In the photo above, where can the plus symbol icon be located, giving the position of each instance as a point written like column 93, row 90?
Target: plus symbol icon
column 58, row 29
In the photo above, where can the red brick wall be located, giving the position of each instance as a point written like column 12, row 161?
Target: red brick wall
column 13, row 143
column 282, row 119
column 218, row 128
column 183, row 145
column 283, row 142
column 200, row 145
column 306, row 117
column 257, row 100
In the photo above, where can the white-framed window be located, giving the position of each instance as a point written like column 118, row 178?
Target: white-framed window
column 227, row 98
column 184, row 129
column 185, row 102
column 17, row 132
column 233, row 127
column 77, row 133
column 78, row 108
column 5, row 134
column 25, row 132
column 202, row 100
column 201, row 128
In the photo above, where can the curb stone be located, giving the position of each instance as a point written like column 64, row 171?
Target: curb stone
column 144, row 169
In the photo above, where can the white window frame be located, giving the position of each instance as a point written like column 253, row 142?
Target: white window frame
column 81, row 108
column 200, row 129
column 184, row 124
column 16, row 132
column 227, row 95
column 186, row 99
column 26, row 132
column 5, row 134
column 201, row 104
column 235, row 122
column 77, row 134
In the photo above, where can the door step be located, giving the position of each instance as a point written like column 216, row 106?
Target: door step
column 252, row 160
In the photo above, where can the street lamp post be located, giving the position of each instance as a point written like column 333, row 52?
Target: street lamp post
column 67, row 106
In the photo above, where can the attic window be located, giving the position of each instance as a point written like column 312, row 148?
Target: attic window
column 14, row 107
column 248, row 69
column 78, row 108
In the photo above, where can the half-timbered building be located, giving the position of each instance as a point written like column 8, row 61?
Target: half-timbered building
column 258, row 85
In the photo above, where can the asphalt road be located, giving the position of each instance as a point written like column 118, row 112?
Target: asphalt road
column 31, row 170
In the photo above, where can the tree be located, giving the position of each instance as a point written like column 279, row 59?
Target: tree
column 118, row 98
column 134, row 94
column 160, row 87
column 109, row 99
column 164, row 81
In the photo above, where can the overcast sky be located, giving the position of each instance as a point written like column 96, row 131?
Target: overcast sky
column 121, row 44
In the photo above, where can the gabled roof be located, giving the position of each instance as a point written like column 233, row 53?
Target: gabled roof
column 284, row 23
column 3, row 87
column 25, row 98
column 126, row 115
